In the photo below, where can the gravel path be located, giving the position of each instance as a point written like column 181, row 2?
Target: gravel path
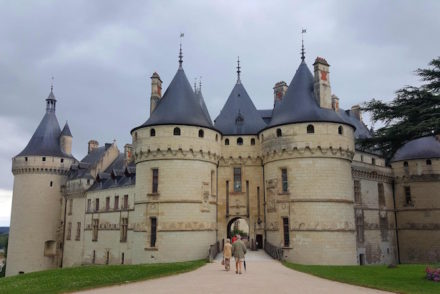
column 263, row 275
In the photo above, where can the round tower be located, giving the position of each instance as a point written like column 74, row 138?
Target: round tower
column 416, row 170
column 176, row 153
column 307, row 151
column 39, row 172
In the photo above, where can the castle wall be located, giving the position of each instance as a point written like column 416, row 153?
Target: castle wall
column 318, row 201
column 35, row 215
column 419, row 229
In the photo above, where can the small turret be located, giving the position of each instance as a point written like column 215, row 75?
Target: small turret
column 66, row 140
column 156, row 91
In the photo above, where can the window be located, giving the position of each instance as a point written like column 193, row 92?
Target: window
column 213, row 182
column 125, row 201
column 88, row 181
column 62, row 160
column 70, row 206
column 116, row 206
column 285, row 184
column 50, row 184
column 237, row 179
column 216, row 137
column 122, row 258
column 152, row 132
column 78, row 231
column 357, row 192
column 359, row 220
column 153, row 232
column 226, row 141
column 373, row 161
column 383, row 225
column 97, row 204
column 381, row 193
column 107, row 257
column 69, row 231
column 252, row 141
column 95, row 230
column 176, row 132
column 124, row 225
column 408, row 200
column 89, row 205
column 155, row 180
column 340, row 130
column 26, row 159
column 362, row 158
column 240, row 141
column 93, row 256
column 286, row 232
column 428, row 162
column 107, row 203
column 201, row 134
column 405, row 164
column 279, row 133
column 310, row 129
column 44, row 159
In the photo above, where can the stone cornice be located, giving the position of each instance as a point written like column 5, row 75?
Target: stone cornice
column 372, row 175
column 40, row 170
column 283, row 152
column 190, row 154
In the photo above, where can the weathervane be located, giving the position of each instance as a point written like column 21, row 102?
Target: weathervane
column 200, row 84
column 238, row 70
column 303, row 31
column 180, row 52
column 51, row 84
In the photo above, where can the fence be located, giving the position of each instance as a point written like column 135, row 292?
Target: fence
column 274, row 251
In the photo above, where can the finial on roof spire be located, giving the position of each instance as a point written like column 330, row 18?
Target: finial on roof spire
column 180, row 52
column 238, row 70
column 195, row 85
column 302, row 47
column 200, row 84
column 51, row 84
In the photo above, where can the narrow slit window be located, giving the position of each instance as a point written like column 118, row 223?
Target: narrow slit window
column 286, row 232
column 279, row 133
column 284, row 182
column 201, row 134
column 252, row 141
column 340, row 130
column 155, row 186
column 153, row 232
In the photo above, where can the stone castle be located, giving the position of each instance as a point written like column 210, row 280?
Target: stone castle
column 294, row 173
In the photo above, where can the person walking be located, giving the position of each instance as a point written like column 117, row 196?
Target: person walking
column 227, row 254
column 238, row 251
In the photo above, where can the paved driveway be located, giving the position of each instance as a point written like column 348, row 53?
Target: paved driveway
column 263, row 275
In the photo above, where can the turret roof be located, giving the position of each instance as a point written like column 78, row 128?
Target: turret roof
column 299, row 103
column 66, row 130
column 203, row 105
column 421, row 148
column 179, row 106
column 239, row 115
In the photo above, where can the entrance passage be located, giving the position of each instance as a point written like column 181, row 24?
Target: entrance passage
column 238, row 226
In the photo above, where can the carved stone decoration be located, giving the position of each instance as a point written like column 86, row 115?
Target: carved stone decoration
column 204, row 207
column 271, row 193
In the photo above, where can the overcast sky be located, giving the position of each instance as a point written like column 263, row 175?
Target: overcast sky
column 102, row 54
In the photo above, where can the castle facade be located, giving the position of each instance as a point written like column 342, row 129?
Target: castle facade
column 294, row 173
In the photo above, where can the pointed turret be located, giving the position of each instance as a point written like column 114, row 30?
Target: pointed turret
column 66, row 140
column 199, row 96
column 239, row 115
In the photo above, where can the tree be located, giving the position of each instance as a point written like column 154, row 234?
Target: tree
column 413, row 113
column 3, row 271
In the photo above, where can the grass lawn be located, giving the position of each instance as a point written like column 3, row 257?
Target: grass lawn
column 86, row 277
column 403, row 279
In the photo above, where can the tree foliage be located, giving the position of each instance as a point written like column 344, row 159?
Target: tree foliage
column 413, row 113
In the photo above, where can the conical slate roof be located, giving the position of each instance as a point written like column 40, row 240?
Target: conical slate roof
column 66, row 131
column 421, row 148
column 299, row 103
column 179, row 106
column 203, row 105
column 239, row 115
column 46, row 138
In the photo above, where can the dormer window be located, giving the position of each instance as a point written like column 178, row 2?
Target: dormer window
column 240, row 141
column 279, row 133
column 201, row 134
column 176, row 132
column 310, row 129
column 152, row 133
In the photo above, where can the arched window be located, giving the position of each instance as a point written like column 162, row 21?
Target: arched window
column 279, row 133
column 310, row 129
column 201, row 133
column 152, row 132
column 226, row 141
column 428, row 162
column 340, row 130
column 252, row 141
column 405, row 163
column 176, row 132
column 216, row 137
column 240, row 141
column 135, row 136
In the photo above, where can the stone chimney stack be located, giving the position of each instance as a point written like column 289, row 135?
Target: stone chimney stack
column 356, row 110
column 279, row 90
column 335, row 103
column 156, row 91
column 128, row 152
column 93, row 144
column 322, row 83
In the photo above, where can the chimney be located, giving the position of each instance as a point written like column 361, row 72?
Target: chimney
column 356, row 110
column 93, row 144
column 128, row 152
column 156, row 91
column 322, row 83
column 335, row 103
column 279, row 90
